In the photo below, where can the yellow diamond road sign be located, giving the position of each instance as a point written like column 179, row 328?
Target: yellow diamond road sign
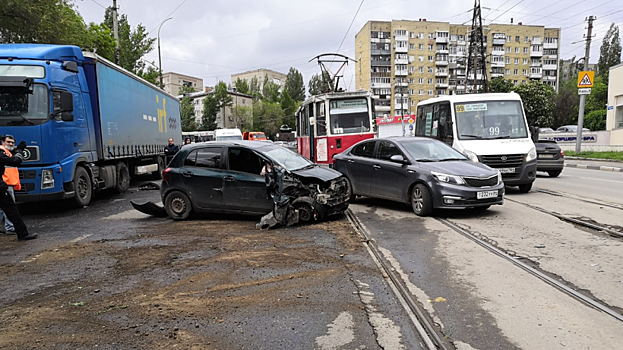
column 585, row 79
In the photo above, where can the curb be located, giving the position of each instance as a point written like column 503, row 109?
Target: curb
column 594, row 167
column 595, row 159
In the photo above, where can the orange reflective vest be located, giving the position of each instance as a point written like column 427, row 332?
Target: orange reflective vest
column 11, row 174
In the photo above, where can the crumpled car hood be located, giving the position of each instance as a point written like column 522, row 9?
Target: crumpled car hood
column 318, row 172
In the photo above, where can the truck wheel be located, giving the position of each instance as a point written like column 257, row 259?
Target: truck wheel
column 82, row 187
column 525, row 188
column 177, row 205
column 421, row 200
column 123, row 177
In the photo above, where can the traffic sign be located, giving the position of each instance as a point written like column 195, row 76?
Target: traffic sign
column 586, row 79
column 411, row 121
column 584, row 91
column 411, row 127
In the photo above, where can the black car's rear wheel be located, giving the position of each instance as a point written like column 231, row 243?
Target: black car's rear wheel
column 177, row 205
column 421, row 200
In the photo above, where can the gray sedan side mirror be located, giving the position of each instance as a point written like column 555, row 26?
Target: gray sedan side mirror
column 397, row 158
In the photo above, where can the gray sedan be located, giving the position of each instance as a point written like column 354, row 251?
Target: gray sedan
column 422, row 172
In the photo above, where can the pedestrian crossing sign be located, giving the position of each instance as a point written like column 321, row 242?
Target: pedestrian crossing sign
column 586, row 79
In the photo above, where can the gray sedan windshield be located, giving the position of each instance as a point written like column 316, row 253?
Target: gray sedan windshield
column 286, row 158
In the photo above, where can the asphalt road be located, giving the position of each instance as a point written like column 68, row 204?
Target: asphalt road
column 603, row 185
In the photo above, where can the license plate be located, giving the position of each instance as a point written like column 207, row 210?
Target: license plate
column 546, row 156
column 486, row 194
column 507, row 170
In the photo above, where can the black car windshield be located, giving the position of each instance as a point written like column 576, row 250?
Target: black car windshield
column 18, row 107
column 431, row 151
column 286, row 158
column 490, row 120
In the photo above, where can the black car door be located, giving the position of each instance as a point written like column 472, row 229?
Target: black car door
column 203, row 177
column 389, row 179
column 244, row 189
column 359, row 166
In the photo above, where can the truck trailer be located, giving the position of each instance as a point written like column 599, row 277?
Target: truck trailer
column 89, row 124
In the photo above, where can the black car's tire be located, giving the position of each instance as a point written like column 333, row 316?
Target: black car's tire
column 421, row 200
column 177, row 205
column 525, row 188
column 82, row 187
column 305, row 206
column 554, row 173
column 123, row 177
column 351, row 195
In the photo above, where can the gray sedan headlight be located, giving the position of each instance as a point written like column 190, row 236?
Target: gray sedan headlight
column 451, row 179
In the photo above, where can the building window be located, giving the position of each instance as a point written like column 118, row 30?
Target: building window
column 430, row 58
column 430, row 80
column 516, row 50
column 430, row 92
column 525, row 50
column 524, row 71
column 516, row 60
column 410, row 80
column 430, row 47
column 515, row 71
column 420, row 70
column 508, row 50
column 525, row 61
column 441, row 92
column 411, row 46
column 420, row 58
column 411, row 70
column 509, row 39
column 525, row 39
column 420, row 35
column 420, row 81
column 517, row 39
column 431, row 35
column 421, row 47
column 430, row 69
column 400, row 32
column 508, row 60
column 507, row 72
column 412, row 35
column 420, row 92
column 515, row 82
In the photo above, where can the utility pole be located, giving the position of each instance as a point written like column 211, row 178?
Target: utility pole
column 587, row 53
column 115, row 29
column 477, row 55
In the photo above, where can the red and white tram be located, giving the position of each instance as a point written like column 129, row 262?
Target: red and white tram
column 328, row 124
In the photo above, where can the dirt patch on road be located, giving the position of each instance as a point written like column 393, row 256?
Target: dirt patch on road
column 188, row 285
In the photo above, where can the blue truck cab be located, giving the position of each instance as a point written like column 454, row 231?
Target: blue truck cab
column 89, row 125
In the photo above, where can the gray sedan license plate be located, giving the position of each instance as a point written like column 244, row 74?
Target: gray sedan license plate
column 486, row 194
column 507, row 170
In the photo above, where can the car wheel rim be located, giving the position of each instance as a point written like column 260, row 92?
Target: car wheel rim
column 178, row 206
column 418, row 201
column 305, row 213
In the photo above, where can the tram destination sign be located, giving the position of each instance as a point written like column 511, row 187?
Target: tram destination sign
column 349, row 103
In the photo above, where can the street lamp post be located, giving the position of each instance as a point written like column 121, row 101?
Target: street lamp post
column 160, row 57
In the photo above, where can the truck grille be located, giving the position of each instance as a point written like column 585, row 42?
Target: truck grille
column 27, row 174
column 504, row 160
column 481, row 182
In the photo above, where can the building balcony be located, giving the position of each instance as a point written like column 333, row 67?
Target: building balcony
column 532, row 64
column 442, row 39
column 382, row 108
column 497, row 75
column 499, row 41
column 498, row 64
column 401, row 61
column 379, row 40
column 460, row 87
column 550, row 57
column 380, row 52
column 401, row 37
column 550, row 45
column 497, row 53
column 441, row 85
column 401, row 49
column 441, row 63
column 460, row 43
column 549, row 78
column 535, row 75
column 441, row 74
column 405, row 84
column 381, row 85
column 536, row 53
column 443, row 51
column 401, row 73
column 550, row 67
column 377, row 63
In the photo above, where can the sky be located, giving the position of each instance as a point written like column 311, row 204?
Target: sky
column 212, row 39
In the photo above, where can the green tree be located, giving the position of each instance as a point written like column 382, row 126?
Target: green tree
column 133, row 44
column 242, row 86
column 267, row 117
column 43, row 21
column 598, row 98
column 500, row 85
column 610, row 52
column 566, row 103
column 295, row 86
column 100, row 40
column 223, row 99
column 596, row 120
column 187, row 111
column 270, row 90
column 289, row 107
column 319, row 84
column 243, row 117
column 254, row 88
column 150, row 74
column 537, row 98
column 208, row 115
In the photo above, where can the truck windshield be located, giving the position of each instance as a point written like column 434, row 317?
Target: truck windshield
column 349, row 116
column 18, row 107
column 490, row 120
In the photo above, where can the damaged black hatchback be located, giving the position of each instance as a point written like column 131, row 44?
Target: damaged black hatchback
column 251, row 178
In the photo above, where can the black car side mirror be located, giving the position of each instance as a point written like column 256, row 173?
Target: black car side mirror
column 397, row 158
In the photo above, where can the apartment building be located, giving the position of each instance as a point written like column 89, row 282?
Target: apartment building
column 225, row 118
column 173, row 82
column 403, row 62
column 261, row 74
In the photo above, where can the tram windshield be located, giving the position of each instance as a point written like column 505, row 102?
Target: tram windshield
column 349, row 116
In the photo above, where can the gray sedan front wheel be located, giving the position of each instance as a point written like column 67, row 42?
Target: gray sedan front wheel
column 421, row 200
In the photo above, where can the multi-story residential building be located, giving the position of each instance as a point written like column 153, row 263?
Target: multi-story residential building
column 226, row 116
column 173, row 82
column 570, row 68
column 261, row 74
column 403, row 62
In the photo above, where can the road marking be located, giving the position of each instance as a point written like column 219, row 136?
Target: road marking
column 340, row 333
column 80, row 238
column 590, row 178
